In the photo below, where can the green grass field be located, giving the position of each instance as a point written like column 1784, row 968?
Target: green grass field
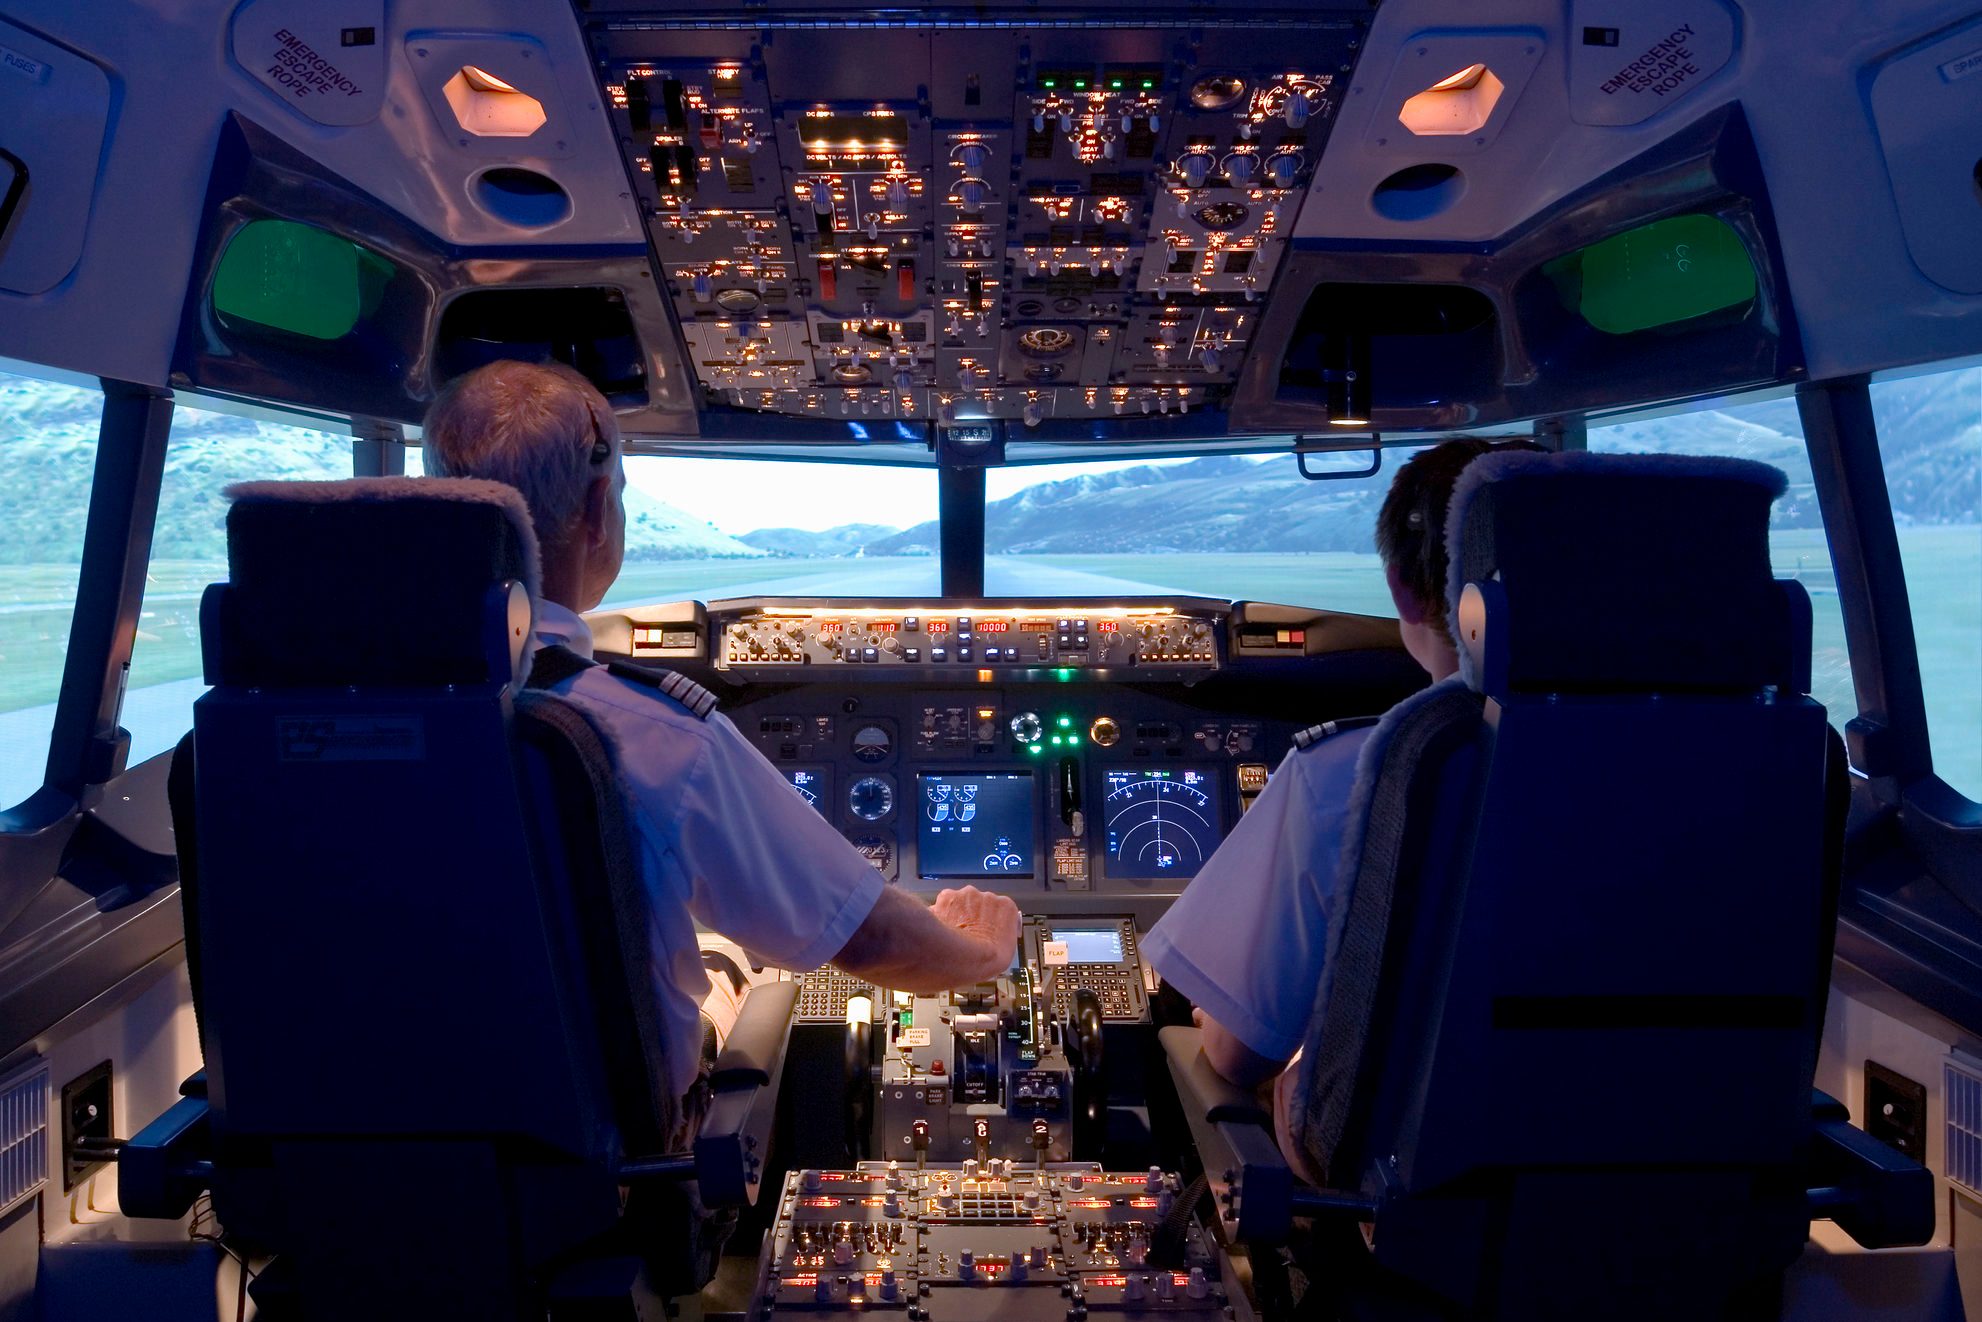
column 1944, row 580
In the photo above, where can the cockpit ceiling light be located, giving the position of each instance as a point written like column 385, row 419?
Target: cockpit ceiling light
column 489, row 107
column 1458, row 103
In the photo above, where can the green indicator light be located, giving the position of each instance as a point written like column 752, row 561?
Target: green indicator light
column 1073, row 741
column 1056, row 741
column 1115, row 83
column 1064, row 675
column 1035, row 749
column 1049, row 82
column 1064, row 722
column 1148, row 83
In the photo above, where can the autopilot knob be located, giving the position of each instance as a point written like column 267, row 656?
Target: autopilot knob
column 1240, row 167
column 970, row 1168
column 1298, row 108
column 894, row 1174
column 1029, row 1200
column 1036, row 1256
column 823, row 1292
column 1195, row 167
column 1282, row 168
column 1075, row 1181
column 1020, row 1272
column 1166, row 1286
column 892, row 1204
column 1197, row 1287
column 966, row 1266
column 890, row 1287
column 1154, row 1180
column 1134, row 1289
column 810, row 1181
column 1027, row 728
column 843, row 1253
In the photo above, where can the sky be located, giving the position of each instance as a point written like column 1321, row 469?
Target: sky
column 743, row 495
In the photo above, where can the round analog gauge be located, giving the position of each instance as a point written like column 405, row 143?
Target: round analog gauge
column 1046, row 341
column 1222, row 215
column 852, row 374
column 1159, row 825
column 870, row 799
column 878, row 850
column 871, row 743
column 738, row 300
column 1217, row 91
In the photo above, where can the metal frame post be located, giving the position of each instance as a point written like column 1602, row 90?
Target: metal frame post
column 87, row 747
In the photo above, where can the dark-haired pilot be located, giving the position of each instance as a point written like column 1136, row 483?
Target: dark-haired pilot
column 1250, row 940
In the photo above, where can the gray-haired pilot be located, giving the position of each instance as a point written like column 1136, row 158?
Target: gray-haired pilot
column 722, row 838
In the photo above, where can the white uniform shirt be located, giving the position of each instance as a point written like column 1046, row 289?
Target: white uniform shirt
column 1249, row 940
column 723, row 840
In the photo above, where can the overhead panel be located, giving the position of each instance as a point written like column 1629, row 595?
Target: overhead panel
column 940, row 222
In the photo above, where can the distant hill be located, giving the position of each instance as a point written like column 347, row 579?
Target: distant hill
column 804, row 544
column 1930, row 429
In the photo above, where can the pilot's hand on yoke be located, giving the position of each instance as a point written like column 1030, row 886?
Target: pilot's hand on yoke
column 989, row 918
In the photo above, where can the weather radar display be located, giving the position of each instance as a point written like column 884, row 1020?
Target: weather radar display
column 1160, row 823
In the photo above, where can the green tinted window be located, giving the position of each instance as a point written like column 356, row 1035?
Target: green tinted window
column 297, row 278
column 1659, row 274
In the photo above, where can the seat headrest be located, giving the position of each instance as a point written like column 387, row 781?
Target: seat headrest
column 1618, row 573
column 383, row 580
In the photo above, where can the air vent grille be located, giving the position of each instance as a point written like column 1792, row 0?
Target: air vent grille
column 23, row 1136
column 1962, row 1100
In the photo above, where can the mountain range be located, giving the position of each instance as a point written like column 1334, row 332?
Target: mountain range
column 1930, row 434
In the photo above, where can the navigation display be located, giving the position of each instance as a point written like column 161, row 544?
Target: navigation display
column 1091, row 945
column 974, row 825
column 810, row 784
column 1160, row 824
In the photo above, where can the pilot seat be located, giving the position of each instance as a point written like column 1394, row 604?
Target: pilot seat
column 1561, row 1063
column 434, row 1083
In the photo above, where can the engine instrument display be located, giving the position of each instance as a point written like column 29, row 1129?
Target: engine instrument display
column 974, row 826
column 1160, row 824
column 810, row 782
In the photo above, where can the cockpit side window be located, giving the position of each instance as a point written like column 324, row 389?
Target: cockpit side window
column 49, row 434
column 207, row 452
column 1769, row 431
column 1930, row 439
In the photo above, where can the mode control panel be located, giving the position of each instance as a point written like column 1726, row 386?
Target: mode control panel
column 1175, row 637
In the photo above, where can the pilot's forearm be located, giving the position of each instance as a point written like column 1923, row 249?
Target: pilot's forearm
column 903, row 946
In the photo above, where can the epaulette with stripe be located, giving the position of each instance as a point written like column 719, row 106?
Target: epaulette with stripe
column 1314, row 734
column 552, row 665
column 700, row 702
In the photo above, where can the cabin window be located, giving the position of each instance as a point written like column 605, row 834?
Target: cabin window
column 1671, row 272
column 1769, row 431
column 49, row 432
column 206, row 453
column 284, row 276
column 1930, row 437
